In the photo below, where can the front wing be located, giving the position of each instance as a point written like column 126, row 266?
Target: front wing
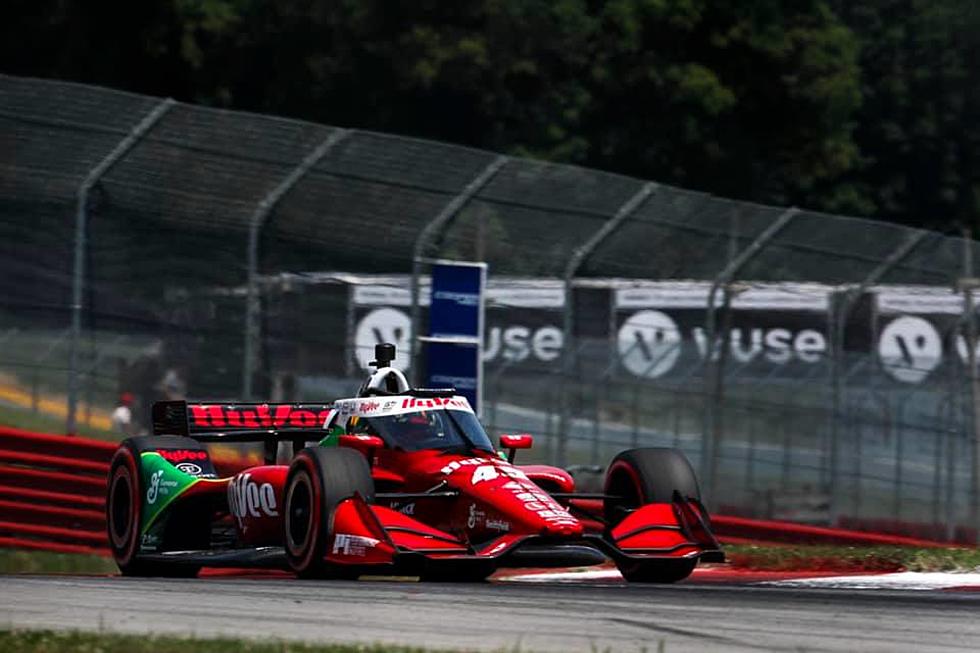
column 377, row 539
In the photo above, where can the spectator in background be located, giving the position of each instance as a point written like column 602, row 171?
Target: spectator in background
column 122, row 416
column 172, row 385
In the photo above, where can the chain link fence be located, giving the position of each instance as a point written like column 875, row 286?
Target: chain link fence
column 813, row 367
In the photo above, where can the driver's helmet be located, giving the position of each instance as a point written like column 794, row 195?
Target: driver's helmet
column 423, row 425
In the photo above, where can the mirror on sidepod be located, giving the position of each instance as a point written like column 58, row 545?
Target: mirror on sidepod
column 513, row 442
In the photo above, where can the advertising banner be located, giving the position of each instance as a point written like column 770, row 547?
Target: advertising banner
column 772, row 330
column 454, row 346
column 920, row 332
column 522, row 320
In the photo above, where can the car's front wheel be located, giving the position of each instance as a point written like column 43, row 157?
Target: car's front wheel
column 319, row 479
column 652, row 475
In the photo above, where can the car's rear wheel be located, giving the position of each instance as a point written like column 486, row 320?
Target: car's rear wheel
column 319, row 480
column 652, row 475
column 124, row 508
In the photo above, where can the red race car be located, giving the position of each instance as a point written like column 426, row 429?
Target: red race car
column 394, row 481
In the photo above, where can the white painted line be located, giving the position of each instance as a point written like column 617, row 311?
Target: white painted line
column 566, row 576
column 906, row 580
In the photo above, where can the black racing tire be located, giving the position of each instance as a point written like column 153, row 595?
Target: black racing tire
column 449, row 573
column 319, row 479
column 652, row 475
column 658, row 571
column 639, row 476
column 124, row 507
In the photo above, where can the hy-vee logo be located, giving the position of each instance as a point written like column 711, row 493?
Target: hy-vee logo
column 258, row 417
column 435, row 402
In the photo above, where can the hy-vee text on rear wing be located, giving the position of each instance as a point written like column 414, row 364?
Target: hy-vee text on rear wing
column 241, row 422
column 245, row 422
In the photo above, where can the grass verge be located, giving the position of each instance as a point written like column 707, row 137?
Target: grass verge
column 20, row 418
column 47, row 641
column 16, row 561
column 851, row 558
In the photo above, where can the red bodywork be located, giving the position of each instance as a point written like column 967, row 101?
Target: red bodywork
column 434, row 508
column 498, row 508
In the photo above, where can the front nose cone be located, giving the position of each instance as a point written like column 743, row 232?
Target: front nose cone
column 566, row 528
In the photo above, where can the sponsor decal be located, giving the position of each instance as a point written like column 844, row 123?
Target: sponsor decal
column 407, row 509
column 190, row 468
column 154, row 489
column 158, row 487
column 436, row 402
column 348, row 407
column 475, row 516
column 910, row 348
column 524, row 490
column 353, row 545
column 497, row 525
column 262, row 416
column 180, row 455
column 163, row 484
column 497, row 548
column 457, row 464
column 246, row 498
column 539, row 502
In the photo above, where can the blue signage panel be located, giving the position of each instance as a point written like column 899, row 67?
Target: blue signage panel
column 457, row 365
column 455, row 342
column 457, row 300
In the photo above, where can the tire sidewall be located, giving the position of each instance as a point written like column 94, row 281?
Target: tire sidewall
column 304, row 471
column 123, row 469
column 313, row 466
column 648, row 475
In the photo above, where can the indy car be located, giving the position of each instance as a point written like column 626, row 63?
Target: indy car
column 393, row 481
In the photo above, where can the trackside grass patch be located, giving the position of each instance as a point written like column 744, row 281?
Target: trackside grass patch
column 15, row 561
column 851, row 558
column 46, row 641
column 42, row 423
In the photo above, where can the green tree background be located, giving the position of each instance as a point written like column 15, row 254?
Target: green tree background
column 866, row 107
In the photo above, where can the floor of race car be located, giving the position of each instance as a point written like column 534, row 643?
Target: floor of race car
column 716, row 610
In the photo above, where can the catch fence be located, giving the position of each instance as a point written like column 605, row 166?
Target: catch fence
column 814, row 367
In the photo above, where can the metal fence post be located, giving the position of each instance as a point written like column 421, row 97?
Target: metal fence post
column 81, row 249
column 423, row 241
column 712, row 387
column 842, row 313
column 968, row 285
column 257, row 221
column 569, row 348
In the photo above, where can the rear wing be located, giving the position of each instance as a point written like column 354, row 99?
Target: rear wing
column 238, row 422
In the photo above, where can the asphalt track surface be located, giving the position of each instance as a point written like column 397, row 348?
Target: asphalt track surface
column 504, row 616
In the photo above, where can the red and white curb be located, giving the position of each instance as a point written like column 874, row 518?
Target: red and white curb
column 906, row 580
column 799, row 579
